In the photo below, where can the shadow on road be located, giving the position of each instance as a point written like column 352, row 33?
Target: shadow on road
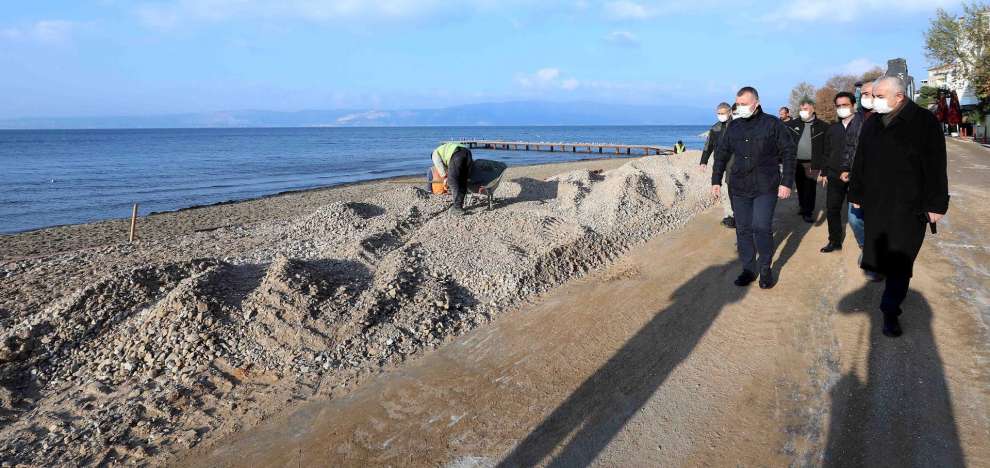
column 591, row 416
column 789, row 230
column 902, row 414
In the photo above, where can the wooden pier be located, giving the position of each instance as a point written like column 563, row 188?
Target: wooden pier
column 591, row 148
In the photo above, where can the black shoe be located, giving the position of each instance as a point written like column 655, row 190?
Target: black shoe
column 729, row 222
column 831, row 247
column 767, row 280
column 891, row 326
column 745, row 278
column 808, row 218
column 456, row 210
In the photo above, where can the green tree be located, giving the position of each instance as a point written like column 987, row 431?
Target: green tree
column 927, row 95
column 963, row 42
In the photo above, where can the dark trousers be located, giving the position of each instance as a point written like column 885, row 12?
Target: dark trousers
column 806, row 188
column 894, row 291
column 835, row 202
column 754, row 230
column 458, row 172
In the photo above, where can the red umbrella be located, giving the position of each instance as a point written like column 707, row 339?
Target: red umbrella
column 940, row 109
column 955, row 114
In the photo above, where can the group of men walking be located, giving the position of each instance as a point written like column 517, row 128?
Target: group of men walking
column 888, row 159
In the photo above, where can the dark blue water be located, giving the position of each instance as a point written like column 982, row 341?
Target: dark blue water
column 52, row 177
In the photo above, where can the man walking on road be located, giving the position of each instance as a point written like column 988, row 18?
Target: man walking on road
column 724, row 115
column 899, row 179
column 835, row 173
column 758, row 144
column 809, row 133
column 784, row 113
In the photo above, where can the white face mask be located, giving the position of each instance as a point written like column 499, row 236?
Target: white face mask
column 843, row 112
column 805, row 115
column 744, row 112
column 867, row 102
column 881, row 106
column 723, row 117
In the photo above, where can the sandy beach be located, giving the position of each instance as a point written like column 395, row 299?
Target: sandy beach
column 588, row 320
column 221, row 316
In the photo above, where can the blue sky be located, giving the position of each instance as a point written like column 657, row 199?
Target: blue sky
column 116, row 57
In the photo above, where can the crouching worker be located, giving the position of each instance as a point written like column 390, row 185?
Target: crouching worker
column 453, row 162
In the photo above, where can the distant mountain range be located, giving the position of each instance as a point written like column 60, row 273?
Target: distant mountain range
column 485, row 114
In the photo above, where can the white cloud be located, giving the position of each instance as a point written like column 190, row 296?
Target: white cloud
column 622, row 38
column 844, row 11
column 55, row 32
column 626, row 9
column 545, row 79
column 858, row 66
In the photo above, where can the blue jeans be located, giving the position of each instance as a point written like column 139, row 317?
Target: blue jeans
column 856, row 223
column 754, row 230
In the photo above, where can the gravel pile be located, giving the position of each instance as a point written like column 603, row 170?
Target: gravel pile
column 131, row 353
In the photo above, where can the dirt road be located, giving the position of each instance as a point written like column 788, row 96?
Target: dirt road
column 660, row 361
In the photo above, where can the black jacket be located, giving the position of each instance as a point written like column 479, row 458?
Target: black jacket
column 758, row 146
column 714, row 134
column 852, row 140
column 898, row 176
column 836, row 139
column 818, row 129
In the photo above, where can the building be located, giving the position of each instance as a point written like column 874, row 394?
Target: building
column 944, row 76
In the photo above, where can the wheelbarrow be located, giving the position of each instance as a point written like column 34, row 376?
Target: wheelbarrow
column 486, row 175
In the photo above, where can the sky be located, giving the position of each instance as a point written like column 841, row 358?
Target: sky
column 63, row 58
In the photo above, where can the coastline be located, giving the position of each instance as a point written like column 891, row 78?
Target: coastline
column 202, row 218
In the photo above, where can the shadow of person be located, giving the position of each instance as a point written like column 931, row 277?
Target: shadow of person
column 788, row 232
column 902, row 414
column 531, row 189
column 597, row 410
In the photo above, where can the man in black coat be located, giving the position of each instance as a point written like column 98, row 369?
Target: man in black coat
column 809, row 136
column 899, row 180
column 834, row 173
column 723, row 113
column 758, row 144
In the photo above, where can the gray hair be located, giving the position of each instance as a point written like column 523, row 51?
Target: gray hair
column 723, row 105
column 894, row 82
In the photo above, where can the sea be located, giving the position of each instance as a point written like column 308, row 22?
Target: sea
column 58, row 177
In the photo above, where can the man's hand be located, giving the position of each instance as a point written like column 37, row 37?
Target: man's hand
column 702, row 168
column 716, row 191
column 783, row 192
column 823, row 180
column 855, row 205
column 844, row 177
column 934, row 217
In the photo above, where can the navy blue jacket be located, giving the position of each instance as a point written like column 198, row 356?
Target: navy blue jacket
column 760, row 145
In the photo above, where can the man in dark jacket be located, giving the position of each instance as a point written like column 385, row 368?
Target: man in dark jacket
column 899, row 179
column 809, row 135
column 834, row 168
column 758, row 144
column 852, row 142
column 723, row 113
column 784, row 113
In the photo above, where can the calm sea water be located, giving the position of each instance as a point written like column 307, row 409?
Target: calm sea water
column 53, row 177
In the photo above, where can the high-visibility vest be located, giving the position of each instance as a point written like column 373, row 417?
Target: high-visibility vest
column 678, row 148
column 446, row 150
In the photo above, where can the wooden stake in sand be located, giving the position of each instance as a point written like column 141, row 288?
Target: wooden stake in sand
column 130, row 238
